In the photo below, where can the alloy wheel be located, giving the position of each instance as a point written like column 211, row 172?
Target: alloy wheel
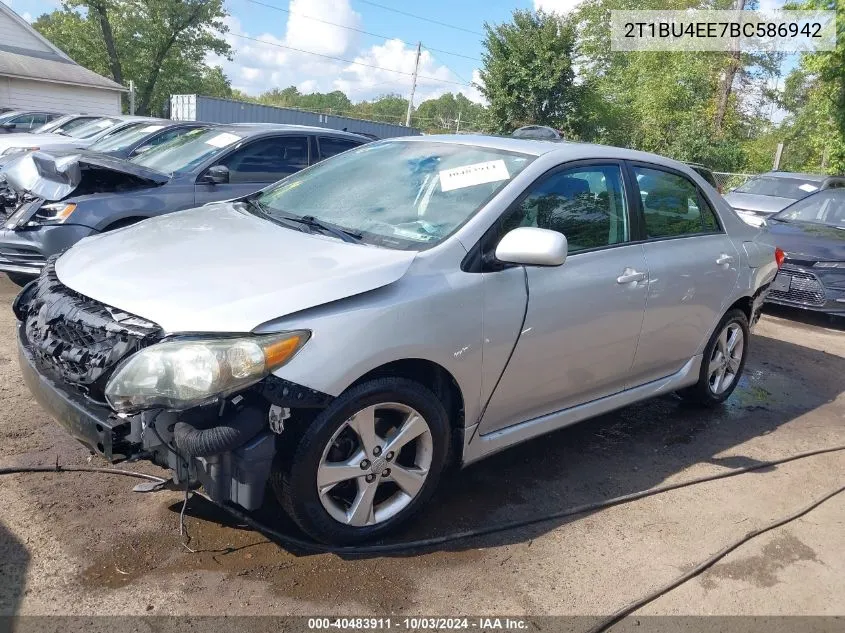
column 726, row 358
column 375, row 464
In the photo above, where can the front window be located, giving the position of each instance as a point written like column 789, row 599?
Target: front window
column 92, row 128
column 398, row 194
column 188, row 151
column 793, row 188
column 827, row 207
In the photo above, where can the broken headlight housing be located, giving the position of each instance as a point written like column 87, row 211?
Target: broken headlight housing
column 53, row 213
column 185, row 373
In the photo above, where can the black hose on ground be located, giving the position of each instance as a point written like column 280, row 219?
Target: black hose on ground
column 231, row 432
column 425, row 543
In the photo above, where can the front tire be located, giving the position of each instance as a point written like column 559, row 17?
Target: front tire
column 724, row 360
column 367, row 463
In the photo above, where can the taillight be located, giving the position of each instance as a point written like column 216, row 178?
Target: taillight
column 779, row 257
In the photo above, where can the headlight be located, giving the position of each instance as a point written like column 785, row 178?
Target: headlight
column 16, row 150
column 750, row 217
column 53, row 213
column 829, row 265
column 182, row 374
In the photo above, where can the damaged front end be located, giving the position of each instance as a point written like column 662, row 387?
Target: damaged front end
column 72, row 347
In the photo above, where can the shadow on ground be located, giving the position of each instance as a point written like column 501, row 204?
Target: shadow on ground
column 626, row 451
column 14, row 561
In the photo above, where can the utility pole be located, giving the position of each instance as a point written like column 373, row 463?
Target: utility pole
column 413, row 87
column 778, row 154
column 131, row 97
column 458, row 123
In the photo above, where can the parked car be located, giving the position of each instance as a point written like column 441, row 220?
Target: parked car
column 78, row 138
column 348, row 331
column 812, row 234
column 763, row 195
column 707, row 174
column 541, row 132
column 65, row 124
column 24, row 120
column 65, row 198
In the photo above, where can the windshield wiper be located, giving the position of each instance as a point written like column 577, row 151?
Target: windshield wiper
column 313, row 223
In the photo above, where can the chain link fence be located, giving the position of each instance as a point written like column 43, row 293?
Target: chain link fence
column 728, row 180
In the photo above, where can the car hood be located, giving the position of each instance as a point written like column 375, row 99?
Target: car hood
column 808, row 241
column 757, row 202
column 219, row 268
column 26, row 139
column 54, row 176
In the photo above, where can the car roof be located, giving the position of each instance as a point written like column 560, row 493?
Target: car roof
column 257, row 128
column 563, row 150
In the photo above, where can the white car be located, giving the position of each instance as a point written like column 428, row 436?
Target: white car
column 77, row 138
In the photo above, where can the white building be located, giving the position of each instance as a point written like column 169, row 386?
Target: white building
column 36, row 75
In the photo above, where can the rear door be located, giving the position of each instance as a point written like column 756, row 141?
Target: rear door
column 693, row 268
column 583, row 318
column 255, row 165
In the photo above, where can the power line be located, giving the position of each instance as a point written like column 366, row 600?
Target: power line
column 450, row 69
column 352, row 28
column 347, row 61
column 420, row 17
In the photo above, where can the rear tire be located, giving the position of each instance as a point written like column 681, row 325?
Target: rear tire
column 723, row 362
column 367, row 490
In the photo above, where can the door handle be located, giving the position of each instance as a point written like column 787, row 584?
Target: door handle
column 629, row 275
column 724, row 258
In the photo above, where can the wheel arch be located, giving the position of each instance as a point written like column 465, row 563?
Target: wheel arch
column 429, row 374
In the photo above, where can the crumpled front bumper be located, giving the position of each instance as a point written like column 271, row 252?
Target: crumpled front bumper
column 98, row 428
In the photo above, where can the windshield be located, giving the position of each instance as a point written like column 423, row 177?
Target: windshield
column 826, row 207
column 125, row 137
column 398, row 194
column 188, row 150
column 793, row 188
column 92, row 128
column 64, row 124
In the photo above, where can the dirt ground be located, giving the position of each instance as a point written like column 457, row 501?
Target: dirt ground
column 85, row 544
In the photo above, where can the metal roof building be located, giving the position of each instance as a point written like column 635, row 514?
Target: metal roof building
column 35, row 74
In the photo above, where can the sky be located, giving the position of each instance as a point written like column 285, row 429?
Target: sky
column 377, row 35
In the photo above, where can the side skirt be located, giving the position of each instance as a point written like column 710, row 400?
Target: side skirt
column 481, row 446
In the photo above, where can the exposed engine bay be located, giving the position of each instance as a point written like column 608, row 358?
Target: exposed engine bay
column 228, row 447
column 54, row 176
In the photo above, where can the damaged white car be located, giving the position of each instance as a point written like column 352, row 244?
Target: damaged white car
column 346, row 333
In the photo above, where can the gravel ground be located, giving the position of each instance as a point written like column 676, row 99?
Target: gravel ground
column 85, row 544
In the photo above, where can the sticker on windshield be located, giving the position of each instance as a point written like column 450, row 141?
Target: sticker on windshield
column 472, row 175
column 808, row 188
column 223, row 139
column 152, row 128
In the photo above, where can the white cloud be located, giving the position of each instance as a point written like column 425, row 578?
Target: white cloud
column 556, row 6
column 258, row 66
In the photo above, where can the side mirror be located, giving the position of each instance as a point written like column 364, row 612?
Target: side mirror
column 216, row 175
column 9, row 126
column 532, row 247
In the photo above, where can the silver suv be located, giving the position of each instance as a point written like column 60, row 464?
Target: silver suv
column 348, row 331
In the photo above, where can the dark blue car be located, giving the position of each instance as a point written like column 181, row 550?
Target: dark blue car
column 64, row 198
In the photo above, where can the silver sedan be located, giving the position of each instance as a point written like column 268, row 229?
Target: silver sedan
column 347, row 332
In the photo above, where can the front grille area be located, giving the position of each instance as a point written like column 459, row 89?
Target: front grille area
column 805, row 288
column 77, row 338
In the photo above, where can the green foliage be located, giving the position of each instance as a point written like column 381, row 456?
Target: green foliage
column 528, row 75
column 160, row 44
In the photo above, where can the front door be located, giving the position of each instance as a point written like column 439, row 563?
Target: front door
column 256, row 165
column 583, row 318
column 693, row 267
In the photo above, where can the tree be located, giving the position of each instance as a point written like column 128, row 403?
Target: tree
column 160, row 44
column 442, row 114
column 528, row 75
